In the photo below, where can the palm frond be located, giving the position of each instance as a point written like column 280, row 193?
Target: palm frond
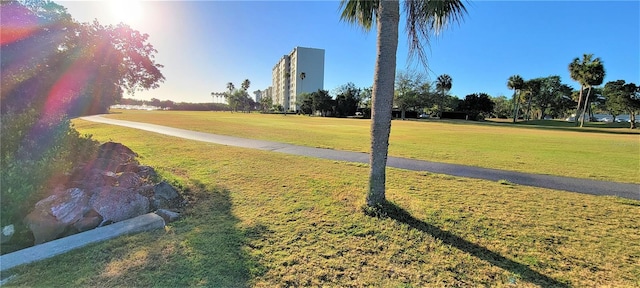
column 359, row 12
column 429, row 16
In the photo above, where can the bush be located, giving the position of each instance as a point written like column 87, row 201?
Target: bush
column 33, row 150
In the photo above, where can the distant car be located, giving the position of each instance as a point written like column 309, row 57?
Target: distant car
column 423, row 116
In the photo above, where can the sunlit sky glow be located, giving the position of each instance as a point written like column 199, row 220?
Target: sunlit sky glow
column 205, row 44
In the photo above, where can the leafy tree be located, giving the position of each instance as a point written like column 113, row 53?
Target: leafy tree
column 477, row 105
column 502, row 107
column 623, row 97
column 322, row 102
column 551, row 93
column 406, row 94
column 78, row 68
column 515, row 83
column 443, row 84
column 347, row 100
column 305, row 102
column 365, row 97
column 266, row 103
column 423, row 17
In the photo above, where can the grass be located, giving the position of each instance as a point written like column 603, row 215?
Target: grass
column 600, row 154
column 266, row 219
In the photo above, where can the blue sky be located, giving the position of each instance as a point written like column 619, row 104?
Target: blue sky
column 205, row 44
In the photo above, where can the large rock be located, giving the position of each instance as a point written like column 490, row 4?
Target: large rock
column 165, row 196
column 106, row 164
column 147, row 173
column 90, row 179
column 116, row 151
column 129, row 180
column 54, row 214
column 116, row 204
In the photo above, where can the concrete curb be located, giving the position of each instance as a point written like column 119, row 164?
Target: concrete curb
column 46, row 250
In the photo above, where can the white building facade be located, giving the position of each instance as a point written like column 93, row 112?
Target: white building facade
column 302, row 71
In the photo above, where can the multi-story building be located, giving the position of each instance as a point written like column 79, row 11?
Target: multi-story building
column 302, row 71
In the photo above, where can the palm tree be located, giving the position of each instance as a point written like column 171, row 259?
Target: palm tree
column 587, row 72
column 443, row 84
column 423, row 17
column 594, row 76
column 515, row 83
column 245, row 85
column 230, row 87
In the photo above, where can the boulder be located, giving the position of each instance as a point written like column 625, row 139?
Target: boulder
column 54, row 214
column 147, row 173
column 116, row 151
column 94, row 178
column 168, row 216
column 165, row 196
column 129, row 180
column 44, row 226
column 106, row 164
column 129, row 167
column 88, row 222
column 115, row 204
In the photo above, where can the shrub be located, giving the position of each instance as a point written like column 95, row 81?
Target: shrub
column 33, row 150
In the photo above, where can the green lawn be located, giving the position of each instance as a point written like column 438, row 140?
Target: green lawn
column 593, row 153
column 267, row 219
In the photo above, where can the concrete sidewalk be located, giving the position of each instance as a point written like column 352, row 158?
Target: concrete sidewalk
column 587, row 186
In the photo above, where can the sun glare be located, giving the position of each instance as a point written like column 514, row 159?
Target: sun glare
column 126, row 11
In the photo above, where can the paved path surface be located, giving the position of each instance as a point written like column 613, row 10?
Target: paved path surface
column 624, row 190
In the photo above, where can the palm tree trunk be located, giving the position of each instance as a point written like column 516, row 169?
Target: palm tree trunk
column 441, row 105
column 584, row 109
column 387, row 20
column 515, row 106
column 579, row 102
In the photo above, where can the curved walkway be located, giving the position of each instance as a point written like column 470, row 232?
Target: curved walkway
column 587, row 186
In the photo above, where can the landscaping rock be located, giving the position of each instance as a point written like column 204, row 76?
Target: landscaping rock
column 54, row 214
column 147, row 173
column 129, row 180
column 44, row 226
column 116, row 204
column 129, row 167
column 117, row 152
column 168, row 216
column 104, row 164
column 165, row 196
column 7, row 233
column 95, row 178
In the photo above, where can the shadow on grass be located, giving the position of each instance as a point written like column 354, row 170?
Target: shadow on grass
column 212, row 251
column 206, row 247
column 392, row 211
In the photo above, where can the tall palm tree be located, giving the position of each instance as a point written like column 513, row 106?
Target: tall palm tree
column 588, row 72
column 423, row 18
column 230, row 87
column 443, row 84
column 515, row 83
column 245, row 85
column 594, row 76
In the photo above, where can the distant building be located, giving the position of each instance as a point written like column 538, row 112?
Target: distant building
column 302, row 71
